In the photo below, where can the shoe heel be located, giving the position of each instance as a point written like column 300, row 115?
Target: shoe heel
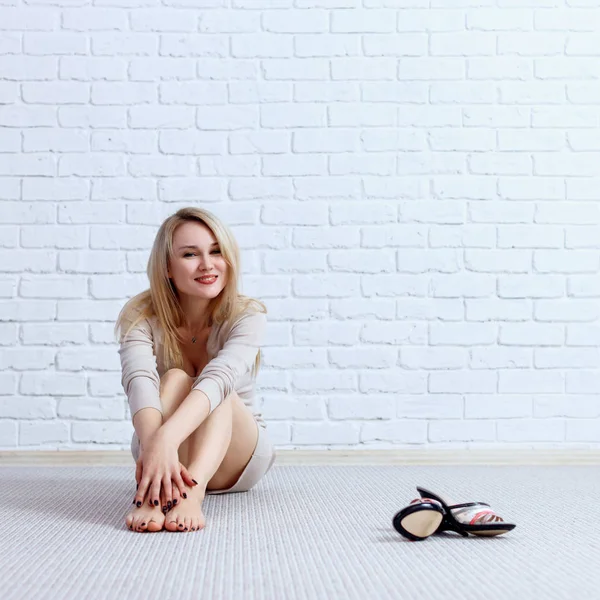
column 449, row 523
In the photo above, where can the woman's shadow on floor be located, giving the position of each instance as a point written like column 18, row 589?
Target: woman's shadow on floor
column 91, row 495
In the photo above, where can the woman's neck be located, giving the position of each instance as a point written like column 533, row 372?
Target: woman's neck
column 199, row 324
column 195, row 313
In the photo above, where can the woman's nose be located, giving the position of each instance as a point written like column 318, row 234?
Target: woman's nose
column 205, row 262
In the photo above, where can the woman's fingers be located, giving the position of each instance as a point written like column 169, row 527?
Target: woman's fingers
column 142, row 490
column 187, row 478
column 179, row 483
column 138, row 470
column 154, row 494
column 163, row 491
column 167, row 489
column 176, row 495
column 163, row 501
column 138, row 478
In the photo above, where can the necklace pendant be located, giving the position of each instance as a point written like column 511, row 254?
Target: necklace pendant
column 193, row 340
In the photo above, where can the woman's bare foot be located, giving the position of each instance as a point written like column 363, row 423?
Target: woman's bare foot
column 145, row 518
column 187, row 515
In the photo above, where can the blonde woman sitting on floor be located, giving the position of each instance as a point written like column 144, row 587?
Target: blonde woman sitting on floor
column 190, row 351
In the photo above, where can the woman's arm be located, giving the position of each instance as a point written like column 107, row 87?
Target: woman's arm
column 160, row 465
column 218, row 378
column 146, row 423
column 236, row 358
column 139, row 375
column 190, row 414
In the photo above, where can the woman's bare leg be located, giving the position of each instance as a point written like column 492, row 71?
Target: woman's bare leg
column 215, row 454
column 218, row 452
column 206, row 449
column 174, row 388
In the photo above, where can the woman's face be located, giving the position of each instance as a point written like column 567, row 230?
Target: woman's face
column 196, row 254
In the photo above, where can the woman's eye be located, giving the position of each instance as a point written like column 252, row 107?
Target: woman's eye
column 191, row 254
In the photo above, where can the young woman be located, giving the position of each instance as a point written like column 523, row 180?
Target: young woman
column 190, row 351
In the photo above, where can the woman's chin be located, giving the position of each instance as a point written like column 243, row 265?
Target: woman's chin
column 206, row 294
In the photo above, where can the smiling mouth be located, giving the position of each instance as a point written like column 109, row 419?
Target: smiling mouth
column 209, row 279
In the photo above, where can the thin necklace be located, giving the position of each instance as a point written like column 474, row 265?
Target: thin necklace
column 193, row 339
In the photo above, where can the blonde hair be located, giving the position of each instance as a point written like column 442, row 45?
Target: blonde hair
column 162, row 299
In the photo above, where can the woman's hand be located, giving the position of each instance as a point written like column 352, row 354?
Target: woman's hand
column 158, row 465
column 168, row 505
column 163, row 499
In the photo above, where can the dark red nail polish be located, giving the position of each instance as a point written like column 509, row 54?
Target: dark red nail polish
column 138, row 503
column 184, row 495
column 174, row 502
column 195, row 481
column 156, row 503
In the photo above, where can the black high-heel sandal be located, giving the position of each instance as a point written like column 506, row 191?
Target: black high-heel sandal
column 463, row 518
column 419, row 519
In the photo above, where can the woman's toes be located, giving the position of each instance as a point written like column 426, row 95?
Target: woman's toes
column 170, row 523
column 154, row 525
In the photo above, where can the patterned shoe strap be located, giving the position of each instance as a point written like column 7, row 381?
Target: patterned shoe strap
column 425, row 501
column 480, row 514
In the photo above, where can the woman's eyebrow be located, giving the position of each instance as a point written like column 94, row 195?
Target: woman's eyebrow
column 196, row 247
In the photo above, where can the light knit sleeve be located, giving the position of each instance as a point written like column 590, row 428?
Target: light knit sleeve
column 217, row 380
column 140, row 378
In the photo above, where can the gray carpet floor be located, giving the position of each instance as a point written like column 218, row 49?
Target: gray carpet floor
column 304, row 532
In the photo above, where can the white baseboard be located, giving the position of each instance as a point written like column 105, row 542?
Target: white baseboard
column 328, row 457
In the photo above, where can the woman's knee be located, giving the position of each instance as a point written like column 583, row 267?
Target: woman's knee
column 176, row 377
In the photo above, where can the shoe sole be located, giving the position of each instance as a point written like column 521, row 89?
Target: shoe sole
column 418, row 524
column 490, row 533
column 423, row 523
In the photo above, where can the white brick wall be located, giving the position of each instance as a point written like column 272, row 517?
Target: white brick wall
column 414, row 185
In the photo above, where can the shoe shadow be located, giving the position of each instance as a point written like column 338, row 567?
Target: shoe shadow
column 390, row 535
